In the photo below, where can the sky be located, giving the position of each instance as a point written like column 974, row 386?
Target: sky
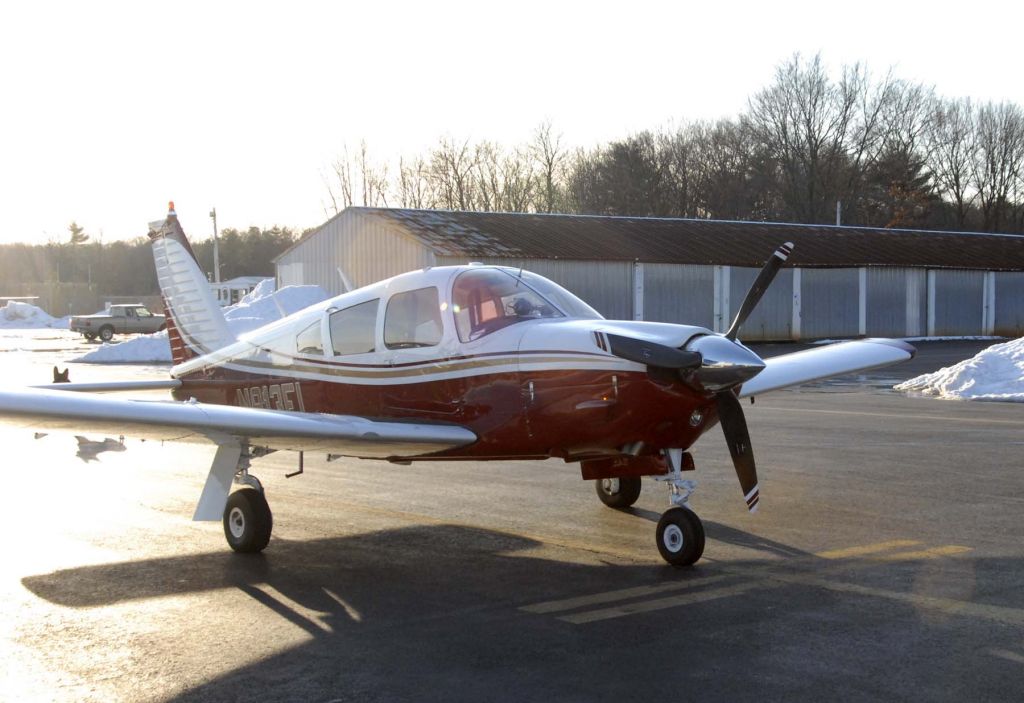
column 111, row 109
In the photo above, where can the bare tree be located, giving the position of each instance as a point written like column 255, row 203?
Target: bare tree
column 815, row 131
column 519, row 183
column 357, row 181
column 951, row 145
column 897, row 190
column 550, row 159
column 451, row 166
column 997, row 163
column 415, row 189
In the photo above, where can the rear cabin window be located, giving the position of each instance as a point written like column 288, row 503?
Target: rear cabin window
column 310, row 340
column 352, row 329
column 413, row 319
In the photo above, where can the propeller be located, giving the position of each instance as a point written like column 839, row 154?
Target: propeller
column 730, row 411
column 760, row 285
column 737, row 437
column 717, row 364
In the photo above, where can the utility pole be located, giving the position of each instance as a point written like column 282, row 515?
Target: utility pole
column 216, row 252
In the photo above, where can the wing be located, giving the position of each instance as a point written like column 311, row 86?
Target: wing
column 192, row 421
column 826, row 362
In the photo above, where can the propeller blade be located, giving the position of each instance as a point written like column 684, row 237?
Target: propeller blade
column 760, row 285
column 652, row 353
column 734, row 425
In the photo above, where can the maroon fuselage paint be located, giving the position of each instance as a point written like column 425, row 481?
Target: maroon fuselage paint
column 571, row 414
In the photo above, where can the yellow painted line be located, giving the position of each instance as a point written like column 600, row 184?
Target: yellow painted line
column 858, row 413
column 661, row 603
column 945, row 551
column 866, row 549
column 1007, row 655
column 553, row 606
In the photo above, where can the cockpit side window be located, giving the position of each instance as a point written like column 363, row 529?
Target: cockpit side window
column 413, row 319
column 352, row 329
column 310, row 340
column 486, row 300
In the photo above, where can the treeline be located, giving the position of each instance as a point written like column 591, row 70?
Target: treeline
column 126, row 267
column 892, row 152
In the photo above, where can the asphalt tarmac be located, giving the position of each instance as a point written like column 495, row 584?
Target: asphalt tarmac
column 886, row 563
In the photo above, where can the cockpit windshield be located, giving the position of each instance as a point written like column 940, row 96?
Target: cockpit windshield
column 566, row 301
column 488, row 299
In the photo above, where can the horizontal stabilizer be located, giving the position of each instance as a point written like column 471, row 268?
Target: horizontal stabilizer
column 826, row 362
column 114, row 386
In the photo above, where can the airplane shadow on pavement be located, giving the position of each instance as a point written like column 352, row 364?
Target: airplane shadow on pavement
column 454, row 613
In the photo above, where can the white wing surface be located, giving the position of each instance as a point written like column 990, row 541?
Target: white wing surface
column 192, row 421
column 826, row 362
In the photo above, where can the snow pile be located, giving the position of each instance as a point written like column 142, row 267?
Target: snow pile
column 256, row 309
column 21, row 315
column 996, row 373
column 263, row 305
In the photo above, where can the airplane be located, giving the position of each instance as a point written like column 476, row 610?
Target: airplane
column 474, row 362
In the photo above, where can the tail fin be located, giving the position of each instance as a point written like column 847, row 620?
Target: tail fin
column 195, row 323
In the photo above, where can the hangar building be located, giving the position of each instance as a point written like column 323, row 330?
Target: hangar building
column 840, row 281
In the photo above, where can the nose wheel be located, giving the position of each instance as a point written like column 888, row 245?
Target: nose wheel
column 680, row 537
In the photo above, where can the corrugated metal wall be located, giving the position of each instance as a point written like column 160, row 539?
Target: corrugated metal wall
column 897, row 302
column 1009, row 304
column 959, row 298
column 680, row 294
column 829, row 303
column 606, row 285
column 368, row 248
column 290, row 274
column 772, row 319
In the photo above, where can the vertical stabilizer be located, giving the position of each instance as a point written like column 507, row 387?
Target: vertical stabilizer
column 195, row 323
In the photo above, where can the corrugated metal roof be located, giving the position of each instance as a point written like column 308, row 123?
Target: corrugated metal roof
column 684, row 241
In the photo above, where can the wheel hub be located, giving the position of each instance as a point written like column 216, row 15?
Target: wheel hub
column 673, row 538
column 610, row 486
column 236, row 523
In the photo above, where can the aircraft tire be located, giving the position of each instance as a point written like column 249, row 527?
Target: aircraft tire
column 680, row 537
column 621, row 494
column 247, row 521
column 106, row 333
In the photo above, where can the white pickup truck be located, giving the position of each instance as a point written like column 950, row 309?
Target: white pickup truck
column 131, row 318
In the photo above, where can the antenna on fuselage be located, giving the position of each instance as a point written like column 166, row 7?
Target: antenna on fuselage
column 345, row 280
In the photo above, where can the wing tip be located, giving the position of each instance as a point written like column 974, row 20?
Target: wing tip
column 894, row 343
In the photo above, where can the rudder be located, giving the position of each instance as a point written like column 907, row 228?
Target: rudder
column 195, row 323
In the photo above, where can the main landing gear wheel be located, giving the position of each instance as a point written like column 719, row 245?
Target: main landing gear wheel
column 247, row 521
column 618, row 492
column 680, row 537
